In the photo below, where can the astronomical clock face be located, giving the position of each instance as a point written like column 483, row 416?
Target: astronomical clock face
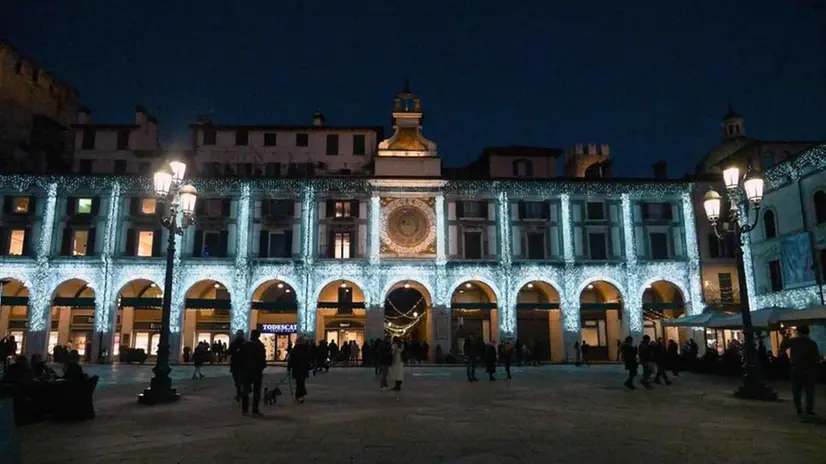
column 409, row 227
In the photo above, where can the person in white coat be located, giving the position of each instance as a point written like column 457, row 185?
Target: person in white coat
column 397, row 367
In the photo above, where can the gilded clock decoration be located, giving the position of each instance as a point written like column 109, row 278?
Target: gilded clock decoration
column 408, row 226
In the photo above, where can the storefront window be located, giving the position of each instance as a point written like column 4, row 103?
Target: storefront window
column 142, row 341
column 116, row 347
column 18, row 337
column 52, row 341
column 153, row 344
column 80, row 343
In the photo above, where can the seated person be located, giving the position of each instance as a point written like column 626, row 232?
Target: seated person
column 72, row 371
column 18, row 372
column 40, row 370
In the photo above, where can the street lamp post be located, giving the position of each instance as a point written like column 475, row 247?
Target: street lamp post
column 169, row 187
column 753, row 387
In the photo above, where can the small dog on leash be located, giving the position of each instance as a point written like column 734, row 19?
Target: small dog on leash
column 270, row 396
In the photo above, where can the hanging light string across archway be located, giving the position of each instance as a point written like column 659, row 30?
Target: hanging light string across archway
column 403, row 314
column 399, row 330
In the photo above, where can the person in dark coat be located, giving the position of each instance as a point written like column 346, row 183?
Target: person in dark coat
column 646, row 352
column 629, row 357
column 507, row 358
column 198, row 359
column 674, row 358
column 805, row 360
column 469, row 350
column 384, row 358
column 299, row 366
column 236, row 363
column 490, row 360
column 586, row 351
column 333, row 352
column 254, row 357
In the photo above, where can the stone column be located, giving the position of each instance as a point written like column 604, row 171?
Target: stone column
column 570, row 328
column 40, row 304
column 103, row 337
column 375, row 322
column 240, row 313
column 441, row 329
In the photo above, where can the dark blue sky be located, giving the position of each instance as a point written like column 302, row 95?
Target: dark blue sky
column 652, row 81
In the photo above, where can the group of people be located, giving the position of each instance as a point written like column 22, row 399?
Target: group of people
column 476, row 351
column 217, row 351
column 655, row 358
column 8, row 349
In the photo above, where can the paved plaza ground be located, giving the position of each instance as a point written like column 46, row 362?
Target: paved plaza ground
column 546, row 414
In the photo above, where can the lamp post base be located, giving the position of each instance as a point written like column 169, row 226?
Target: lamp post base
column 160, row 390
column 755, row 391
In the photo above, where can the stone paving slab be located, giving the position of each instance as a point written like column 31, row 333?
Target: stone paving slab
column 546, row 414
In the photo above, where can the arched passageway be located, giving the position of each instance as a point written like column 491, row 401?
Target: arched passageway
column 341, row 316
column 472, row 314
column 539, row 323
column 661, row 301
column 138, row 320
column 72, row 320
column 275, row 316
column 600, row 308
column 14, row 311
column 207, row 314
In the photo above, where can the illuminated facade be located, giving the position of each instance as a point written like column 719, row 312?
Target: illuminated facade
column 551, row 261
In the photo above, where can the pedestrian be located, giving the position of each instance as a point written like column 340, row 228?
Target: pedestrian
column 507, row 354
column 647, row 359
column 537, row 349
column 577, row 354
column 299, row 366
column 425, row 351
column 586, row 349
column 236, row 363
column 198, row 358
column 384, row 359
column 490, row 360
column 397, row 367
column 333, row 347
column 469, row 349
column 619, row 350
column 805, row 360
column 629, row 357
column 255, row 361
column 321, row 354
column 674, row 358
column 661, row 360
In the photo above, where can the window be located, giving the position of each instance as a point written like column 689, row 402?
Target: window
column 148, row 205
column 84, row 206
column 597, row 246
column 120, row 167
column 280, row 245
column 332, row 144
column 273, row 170
column 536, row 245
column 659, row 245
column 342, row 245
column 16, row 241
column 270, row 138
column 214, row 244
column 473, row 245
column 302, row 140
column 88, row 142
column 769, row 226
column 820, row 206
column 20, row 205
column 775, row 275
column 533, row 210
column 210, row 136
column 714, row 246
column 595, row 211
column 768, row 160
column 657, row 211
column 245, row 169
column 80, row 240
column 342, row 209
column 359, row 144
column 522, row 168
column 85, row 166
column 242, row 136
column 145, row 240
column 821, row 266
column 471, row 209
column 726, row 289
column 123, row 139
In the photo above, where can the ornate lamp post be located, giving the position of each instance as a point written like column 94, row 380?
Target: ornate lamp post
column 178, row 198
column 748, row 195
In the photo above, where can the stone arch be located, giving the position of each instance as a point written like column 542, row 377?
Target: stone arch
column 678, row 285
column 421, row 285
column 358, row 282
column 474, row 278
column 592, row 280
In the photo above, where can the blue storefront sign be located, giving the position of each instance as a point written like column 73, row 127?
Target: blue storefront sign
column 278, row 328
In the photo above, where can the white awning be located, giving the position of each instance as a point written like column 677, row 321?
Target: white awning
column 699, row 320
column 762, row 318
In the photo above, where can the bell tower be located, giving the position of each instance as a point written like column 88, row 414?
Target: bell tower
column 407, row 153
column 732, row 125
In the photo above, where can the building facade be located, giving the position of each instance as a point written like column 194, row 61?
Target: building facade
column 403, row 251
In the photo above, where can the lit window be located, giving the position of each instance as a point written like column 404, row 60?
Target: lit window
column 342, row 209
column 79, row 241
column 21, row 205
column 16, row 242
column 145, row 239
column 342, row 244
column 84, row 205
column 148, row 206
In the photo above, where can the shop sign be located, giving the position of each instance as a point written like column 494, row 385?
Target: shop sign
column 83, row 320
column 278, row 328
column 147, row 326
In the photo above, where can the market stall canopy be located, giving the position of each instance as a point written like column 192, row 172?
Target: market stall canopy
column 813, row 315
column 700, row 320
column 762, row 318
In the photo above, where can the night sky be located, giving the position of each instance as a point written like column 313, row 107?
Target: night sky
column 653, row 81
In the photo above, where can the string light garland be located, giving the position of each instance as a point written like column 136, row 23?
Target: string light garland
column 374, row 276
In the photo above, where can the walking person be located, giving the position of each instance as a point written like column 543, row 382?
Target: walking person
column 577, row 354
column 586, row 348
column 674, row 358
column 384, row 359
column 629, row 357
column 236, row 363
column 198, row 358
column 397, row 367
column 661, row 360
column 647, row 359
column 255, row 361
column 299, row 366
column 490, row 360
column 507, row 355
column 805, row 360
column 469, row 349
